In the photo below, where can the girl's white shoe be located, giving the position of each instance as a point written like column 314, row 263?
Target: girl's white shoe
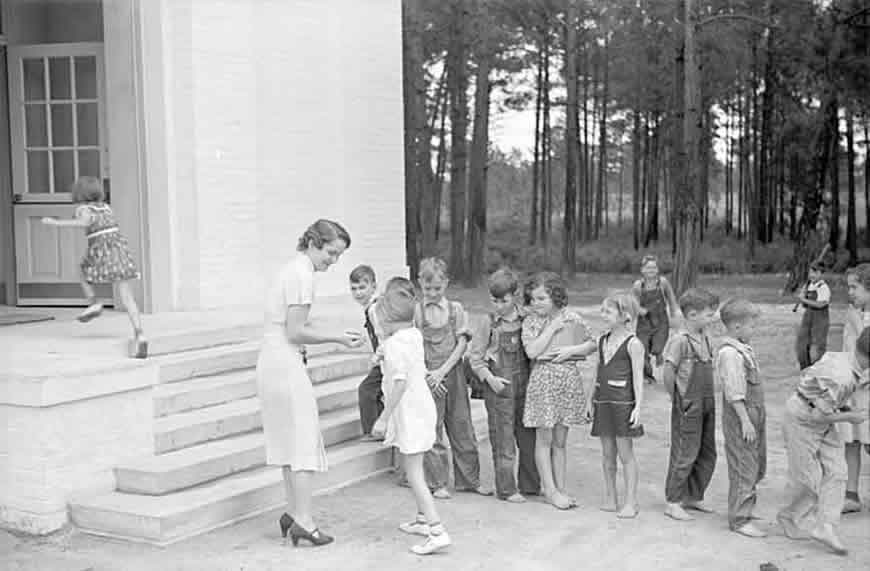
column 432, row 544
column 416, row 527
column 92, row 311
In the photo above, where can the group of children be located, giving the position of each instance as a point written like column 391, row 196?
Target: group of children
column 540, row 371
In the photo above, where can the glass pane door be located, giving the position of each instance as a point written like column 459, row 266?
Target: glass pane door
column 61, row 122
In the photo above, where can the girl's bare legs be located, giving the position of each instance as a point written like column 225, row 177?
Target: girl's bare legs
column 140, row 349
column 608, row 466
column 544, row 462
column 853, row 471
column 559, row 459
column 94, row 307
column 625, row 448
column 431, row 526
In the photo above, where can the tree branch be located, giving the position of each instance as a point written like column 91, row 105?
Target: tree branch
column 747, row 17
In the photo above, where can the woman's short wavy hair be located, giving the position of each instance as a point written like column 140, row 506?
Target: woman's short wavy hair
column 552, row 283
column 321, row 233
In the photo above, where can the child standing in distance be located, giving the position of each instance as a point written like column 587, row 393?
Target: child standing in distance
column 812, row 336
column 363, row 288
column 816, row 466
column 617, row 400
column 555, row 398
column 743, row 414
column 409, row 415
column 856, row 435
column 446, row 333
column 107, row 260
column 688, row 377
column 498, row 359
column 658, row 306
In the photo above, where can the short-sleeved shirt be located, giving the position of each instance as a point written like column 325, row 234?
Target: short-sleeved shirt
column 823, row 292
column 295, row 286
column 856, row 321
column 437, row 314
column 732, row 360
column 682, row 351
column 829, row 382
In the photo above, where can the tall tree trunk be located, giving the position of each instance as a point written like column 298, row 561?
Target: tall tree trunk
column 587, row 166
column 678, row 157
column 741, row 171
column 835, row 184
column 536, row 162
column 635, row 178
column 477, row 165
column 867, row 182
column 546, row 173
column 851, row 223
column 621, row 188
column 413, row 86
column 688, row 215
column 457, row 88
column 430, row 199
column 601, row 209
column 569, row 237
column 440, row 171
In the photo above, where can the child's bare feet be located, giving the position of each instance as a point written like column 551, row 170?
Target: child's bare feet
column 609, row 505
column 698, row 507
column 441, row 494
column 92, row 311
column 628, row 511
column 559, row 500
column 676, row 511
column 517, row 498
column 791, row 529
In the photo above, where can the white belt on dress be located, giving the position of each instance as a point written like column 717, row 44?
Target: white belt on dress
column 103, row 231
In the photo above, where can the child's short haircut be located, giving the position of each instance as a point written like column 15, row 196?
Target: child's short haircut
column 625, row 304
column 432, row 269
column 552, row 284
column 861, row 273
column 87, row 189
column 862, row 345
column 362, row 273
column 503, row 282
column 398, row 302
column 649, row 258
column 737, row 310
column 697, row 299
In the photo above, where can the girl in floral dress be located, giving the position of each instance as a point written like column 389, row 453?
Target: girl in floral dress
column 556, row 397
column 108, row 259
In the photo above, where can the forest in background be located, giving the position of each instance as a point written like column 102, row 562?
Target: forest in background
column 725, row 135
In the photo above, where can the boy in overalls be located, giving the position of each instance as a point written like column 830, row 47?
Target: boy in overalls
column 812, row 336
column 500, row 363
column 446, row 333
column 743, row 414
column 688, row 377
column 658, row 305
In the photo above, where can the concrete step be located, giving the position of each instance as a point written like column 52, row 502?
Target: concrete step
column 202, row 337
column 200, row 392
column 163, row 520
column 216, row 360
column 238, row 417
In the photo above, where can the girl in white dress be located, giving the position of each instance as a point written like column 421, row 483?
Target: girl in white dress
column 409, row 417
column 291, row 424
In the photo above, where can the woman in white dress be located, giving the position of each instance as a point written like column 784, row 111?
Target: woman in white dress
column 289, row 407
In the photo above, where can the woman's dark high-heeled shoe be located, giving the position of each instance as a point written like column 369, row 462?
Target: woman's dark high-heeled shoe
column 285, row 522
column 316, row 537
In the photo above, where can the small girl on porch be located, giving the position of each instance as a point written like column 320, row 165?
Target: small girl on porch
column 108, row 259
column 409, row 416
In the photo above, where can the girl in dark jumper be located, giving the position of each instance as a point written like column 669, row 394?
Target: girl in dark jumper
column 617, row 399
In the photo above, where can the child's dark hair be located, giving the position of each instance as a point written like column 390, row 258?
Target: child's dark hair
column 861, row 273
column 503, row 282
column 552, row 284
column 321, row 233
column 362, row 273
column 649, row 258
column 737, row 310
column 697, row 299
column 862, row 345
column 432, row 268
column 88, row 189
column 398, row 302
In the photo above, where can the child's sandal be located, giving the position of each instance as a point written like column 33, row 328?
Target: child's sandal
column 92, row 311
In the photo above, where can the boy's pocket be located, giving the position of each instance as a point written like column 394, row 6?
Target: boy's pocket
column 618, row 384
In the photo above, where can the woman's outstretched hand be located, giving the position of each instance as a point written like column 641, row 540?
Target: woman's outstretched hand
column 352, row 339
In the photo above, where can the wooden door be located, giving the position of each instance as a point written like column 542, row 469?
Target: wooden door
column 56, row 110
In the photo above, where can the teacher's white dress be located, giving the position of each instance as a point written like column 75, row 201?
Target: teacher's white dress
column 289, row 408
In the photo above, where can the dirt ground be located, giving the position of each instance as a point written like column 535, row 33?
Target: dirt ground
column 489, row 534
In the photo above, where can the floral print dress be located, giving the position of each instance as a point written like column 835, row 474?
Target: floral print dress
column 555, row 392
column 108, row 258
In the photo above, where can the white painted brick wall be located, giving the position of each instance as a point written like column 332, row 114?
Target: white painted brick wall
column 296, row 114
column 50, row 454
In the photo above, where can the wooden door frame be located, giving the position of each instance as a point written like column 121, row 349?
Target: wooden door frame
column 7, row 233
